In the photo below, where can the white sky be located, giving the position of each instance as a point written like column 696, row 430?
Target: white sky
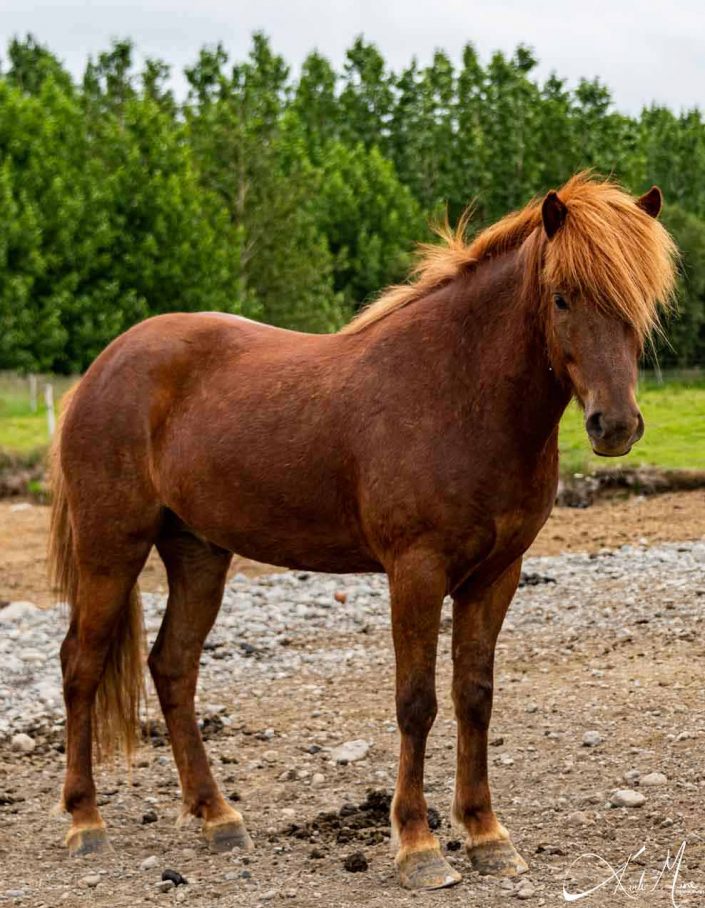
column 645, row 51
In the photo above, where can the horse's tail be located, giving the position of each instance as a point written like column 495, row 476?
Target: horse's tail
column 120, row 692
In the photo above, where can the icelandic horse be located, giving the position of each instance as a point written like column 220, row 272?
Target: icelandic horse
column 419, row 440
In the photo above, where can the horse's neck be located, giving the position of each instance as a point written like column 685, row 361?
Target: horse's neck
column 488, row 340
column 512, row 349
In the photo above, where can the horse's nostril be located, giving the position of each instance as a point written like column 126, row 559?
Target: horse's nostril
column 639, row 427
column 595, row 425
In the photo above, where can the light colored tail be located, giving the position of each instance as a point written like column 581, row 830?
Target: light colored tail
column 117, row 703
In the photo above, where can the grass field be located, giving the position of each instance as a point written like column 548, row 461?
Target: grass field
column 674, row 415
column 21, row 430
column 674, row 412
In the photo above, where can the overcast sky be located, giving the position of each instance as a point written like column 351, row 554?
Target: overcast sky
column 644, row 50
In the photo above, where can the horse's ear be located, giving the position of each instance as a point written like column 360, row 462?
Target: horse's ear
column 553, row 213
column 651, row 202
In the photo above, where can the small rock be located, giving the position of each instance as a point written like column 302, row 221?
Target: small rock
column 288, row 812
column 627, row 797
column 578, row 818
column 149, row 817
column 149, row 863
column 165, row 885
column 175, row 877
column 318, row 778
column 340, row 596
column 356, row 862
column 351, row 751
column 14, row 893
column 653, row 780
column 270, row 756
column 592, row 739
column 632, row 776
column 22, row 743
column 91, row 881
column 269, row 895
column 525, row 891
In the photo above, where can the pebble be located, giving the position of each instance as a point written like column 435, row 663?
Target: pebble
column 653, row 780
column 91, row 881
column 318, row 778
column 14, row 893
column 579, row 818
column 525, row 891
column 632, row 776
column 627, row 797
column 269, row 895
column 23, row 743
column 592, row 739
column 350, row 751
column 175, row 877
column 149, row 863
column 270, row 756
column 165, row 885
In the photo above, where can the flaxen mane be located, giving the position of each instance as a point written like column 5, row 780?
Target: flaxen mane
column 608, row 250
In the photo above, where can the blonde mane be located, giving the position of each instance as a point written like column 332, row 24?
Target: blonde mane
column 609, row 250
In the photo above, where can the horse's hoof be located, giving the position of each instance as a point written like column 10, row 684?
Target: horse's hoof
column 426, row 870
column 497, row 859
column 226, row 836
column 93, row 840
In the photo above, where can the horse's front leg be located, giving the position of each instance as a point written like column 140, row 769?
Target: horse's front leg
column 478, row 613
column 417, row 586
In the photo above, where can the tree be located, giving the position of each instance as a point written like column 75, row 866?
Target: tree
column 268, row 185
column 370, row 221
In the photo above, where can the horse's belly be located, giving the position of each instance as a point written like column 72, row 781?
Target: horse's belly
column 302, row 521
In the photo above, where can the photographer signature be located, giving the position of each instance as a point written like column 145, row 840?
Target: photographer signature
column 665, row 875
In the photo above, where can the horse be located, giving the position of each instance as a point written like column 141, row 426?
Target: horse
column 420, row 440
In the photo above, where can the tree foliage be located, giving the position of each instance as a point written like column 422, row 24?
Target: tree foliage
column 290, row 198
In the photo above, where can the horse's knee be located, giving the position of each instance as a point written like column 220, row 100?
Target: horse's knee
column 416, row 707
column 473, row 701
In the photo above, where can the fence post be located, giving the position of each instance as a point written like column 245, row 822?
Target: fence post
column 51, row 415
column 32, row 378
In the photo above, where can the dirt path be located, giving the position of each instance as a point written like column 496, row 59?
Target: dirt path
column 663, row 518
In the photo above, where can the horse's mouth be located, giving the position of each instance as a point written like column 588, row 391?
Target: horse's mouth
column 612, row 452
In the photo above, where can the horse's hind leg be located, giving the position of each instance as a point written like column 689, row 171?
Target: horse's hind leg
column 102, row 601
column 196, row 571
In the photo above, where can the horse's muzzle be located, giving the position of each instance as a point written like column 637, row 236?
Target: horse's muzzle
column 613, row 435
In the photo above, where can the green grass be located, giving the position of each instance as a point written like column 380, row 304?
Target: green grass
column 674, row 416
column 23, row 432
column 674, row 413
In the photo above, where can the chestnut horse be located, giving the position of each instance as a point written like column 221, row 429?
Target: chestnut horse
column 421, row 440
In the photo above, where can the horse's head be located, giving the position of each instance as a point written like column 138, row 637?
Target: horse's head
column 607, row 265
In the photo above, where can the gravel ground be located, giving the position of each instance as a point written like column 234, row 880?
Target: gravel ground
column 599, row 699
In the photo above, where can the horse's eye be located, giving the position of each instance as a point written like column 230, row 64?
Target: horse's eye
column 560, row 301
